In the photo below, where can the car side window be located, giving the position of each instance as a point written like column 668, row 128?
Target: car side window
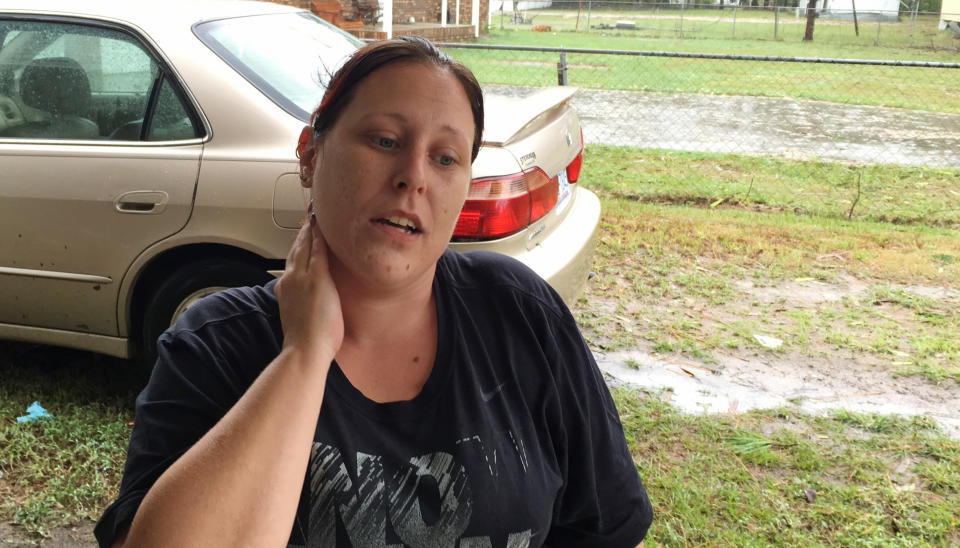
column 171, row 119
column 66, row 81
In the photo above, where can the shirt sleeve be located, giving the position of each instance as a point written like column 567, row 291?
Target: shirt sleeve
column 187, row 394
column 603, row 502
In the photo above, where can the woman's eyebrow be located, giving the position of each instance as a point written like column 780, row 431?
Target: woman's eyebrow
column 402, row 119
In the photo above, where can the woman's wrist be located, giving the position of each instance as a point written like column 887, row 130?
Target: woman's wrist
column 312, row 359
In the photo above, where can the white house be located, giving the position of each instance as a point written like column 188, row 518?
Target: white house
column 950, row 13
column 867, row 10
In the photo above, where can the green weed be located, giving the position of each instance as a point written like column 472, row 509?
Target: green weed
column 787, row 479
column 66, row 468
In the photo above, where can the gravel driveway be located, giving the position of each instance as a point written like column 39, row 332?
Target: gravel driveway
column 787, row 127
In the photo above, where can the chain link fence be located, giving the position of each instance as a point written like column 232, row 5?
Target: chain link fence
column 886, row 23
column 857, row 111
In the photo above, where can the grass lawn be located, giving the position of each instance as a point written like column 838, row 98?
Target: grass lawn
column 687, row 243
column 702, row 232
column 779, row 478
column 751, row 29
column 65, row 469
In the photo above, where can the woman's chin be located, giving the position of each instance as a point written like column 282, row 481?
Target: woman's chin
column 388, row 270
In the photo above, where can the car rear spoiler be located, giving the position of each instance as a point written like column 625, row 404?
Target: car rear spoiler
column 513, row 115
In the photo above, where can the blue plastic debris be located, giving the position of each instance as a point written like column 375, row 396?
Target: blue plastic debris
column 34, row 412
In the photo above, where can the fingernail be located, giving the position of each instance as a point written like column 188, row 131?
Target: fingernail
column 313, row 219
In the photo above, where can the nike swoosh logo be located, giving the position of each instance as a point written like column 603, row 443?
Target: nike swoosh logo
column 487, row 396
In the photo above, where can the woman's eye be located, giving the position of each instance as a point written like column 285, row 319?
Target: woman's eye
column 386, row 142
column 445, row 160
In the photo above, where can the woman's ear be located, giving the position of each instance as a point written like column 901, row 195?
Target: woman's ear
column 307, row 153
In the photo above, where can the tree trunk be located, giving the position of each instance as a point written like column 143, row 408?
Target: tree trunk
column 811, row 17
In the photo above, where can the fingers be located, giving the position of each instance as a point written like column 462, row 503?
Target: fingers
column 318, row 244
column 299, row 254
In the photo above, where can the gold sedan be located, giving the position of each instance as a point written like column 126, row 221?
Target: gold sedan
column 147, row 160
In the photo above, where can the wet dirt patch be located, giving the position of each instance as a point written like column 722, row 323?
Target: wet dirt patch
column 822, row 372
column 793, row 128
column 69, row 536
column 805, row 293
column 768, row 380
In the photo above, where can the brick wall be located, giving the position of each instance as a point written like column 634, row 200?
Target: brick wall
column 466, row 8
column 439, row 34
column 423, row 11
column 428, row 11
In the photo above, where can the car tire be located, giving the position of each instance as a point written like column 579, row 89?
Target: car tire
column 183, row 289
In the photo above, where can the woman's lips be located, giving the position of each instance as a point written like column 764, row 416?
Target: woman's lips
column 401, row 223
column 396, row 231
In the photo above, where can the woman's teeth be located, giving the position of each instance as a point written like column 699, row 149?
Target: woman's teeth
column 400, row 223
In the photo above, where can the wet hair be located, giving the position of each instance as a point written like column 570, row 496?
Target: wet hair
column 377, row 55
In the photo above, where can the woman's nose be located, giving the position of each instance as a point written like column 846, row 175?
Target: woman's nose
column 412, row 173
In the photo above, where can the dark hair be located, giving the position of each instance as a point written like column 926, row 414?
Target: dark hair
column 376, row 55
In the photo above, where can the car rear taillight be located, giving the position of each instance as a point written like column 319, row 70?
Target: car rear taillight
column 500, row 206
column 573, row 170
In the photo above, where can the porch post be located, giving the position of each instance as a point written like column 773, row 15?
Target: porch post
column 475, row 18
column 443, row 13
column 388, row 18
column 457, row 18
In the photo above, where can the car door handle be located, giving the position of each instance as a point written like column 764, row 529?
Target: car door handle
column 142, row 202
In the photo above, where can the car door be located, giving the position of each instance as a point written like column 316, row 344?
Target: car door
column 99, row 156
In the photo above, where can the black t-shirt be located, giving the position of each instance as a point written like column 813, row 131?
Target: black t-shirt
column 514, row 440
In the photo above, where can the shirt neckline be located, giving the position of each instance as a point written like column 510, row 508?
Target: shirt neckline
column 422, row 402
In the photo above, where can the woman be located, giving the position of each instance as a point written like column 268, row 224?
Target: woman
column 384, row 391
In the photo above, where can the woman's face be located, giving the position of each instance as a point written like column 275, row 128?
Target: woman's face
column 390, row 177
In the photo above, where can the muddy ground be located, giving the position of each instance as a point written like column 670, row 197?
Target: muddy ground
column 812, row 380
column 776, row 126
column 73, row 536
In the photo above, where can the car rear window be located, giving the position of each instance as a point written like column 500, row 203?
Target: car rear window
column 289, row 57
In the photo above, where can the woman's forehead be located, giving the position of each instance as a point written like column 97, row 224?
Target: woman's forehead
column 406, row 91
column 407, row 76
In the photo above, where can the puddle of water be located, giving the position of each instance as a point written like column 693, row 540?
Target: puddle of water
column 698, row 390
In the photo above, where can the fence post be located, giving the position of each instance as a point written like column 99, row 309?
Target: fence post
column 683, row 4
column 562, row 69
column 876, row 41
column 856, row 26
column 734, row 20
column 776, row 21
column 589, row 8
column 913, row 16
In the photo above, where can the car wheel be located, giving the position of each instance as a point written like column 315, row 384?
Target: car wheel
column 184, row 289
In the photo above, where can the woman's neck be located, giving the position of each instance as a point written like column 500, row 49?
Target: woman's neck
column 390, row 339
column 373, row 312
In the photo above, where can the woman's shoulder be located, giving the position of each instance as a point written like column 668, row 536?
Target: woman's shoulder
column 493, row 276
column 233, row 306
column 230, row 335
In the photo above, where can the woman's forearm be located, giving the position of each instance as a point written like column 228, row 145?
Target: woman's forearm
column 240, row 484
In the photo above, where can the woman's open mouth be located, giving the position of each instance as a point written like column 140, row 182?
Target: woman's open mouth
column 402, row 224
